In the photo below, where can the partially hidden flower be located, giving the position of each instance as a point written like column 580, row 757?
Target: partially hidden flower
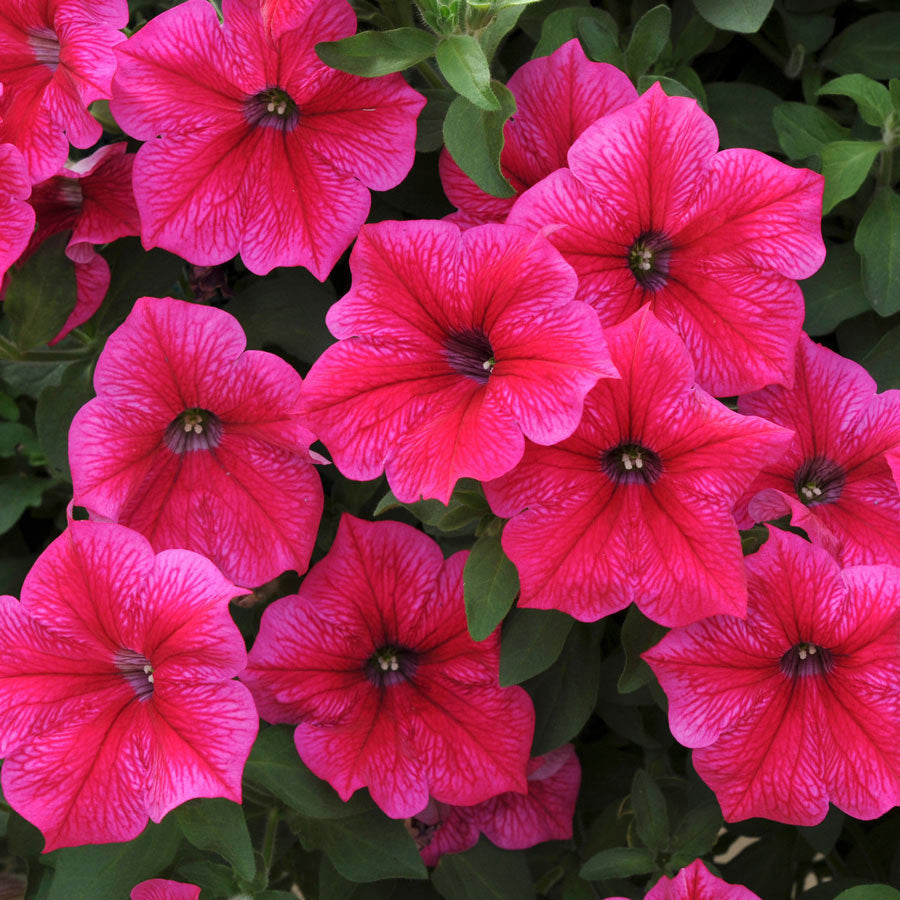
column 163, row 889
column 796, row 705
column 16, row 215
column 649, row 213
column 55, row 59
column 92, row 199
column 636, row 504
column 199, row 444
column 696, row 882
column 374, row 662
column 557, row 97
column 455, row 346
column 116, row 695
column 512, row 821
column 252, row 144
column 835, row 481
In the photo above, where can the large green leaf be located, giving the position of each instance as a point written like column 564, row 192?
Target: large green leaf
column 374, row 53
column 618, row 862
column 872, row 99
column 845, row 165
column 745, row 16
column 868, row 46
column 483, row 873
column 463, row 63
column 877, row 241
column 648, row 40
column 531, row 642
column 564, row 24
column 490, row 585
column 804, row 130
column 651, row 817
column 869, row 892
column 218, row 825
column 835, row 293
column 743, row 114
column 18, row 491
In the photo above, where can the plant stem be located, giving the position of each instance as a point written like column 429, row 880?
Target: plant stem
column 268, row 847
column 767, row 50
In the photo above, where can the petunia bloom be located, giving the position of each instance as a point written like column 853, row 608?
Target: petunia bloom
column 254, row 145
column 650, row 213
column 116, row 698
column 197, row 444
column 511, row 821
column 16, row 215
column 163, row 889
column 373, row 659
column 636, row 505
column 797, row 704
column 55, row 59
column 455, row 346
column 557, row 97
column 835, row 480
column 696, row 882
column 93, row 199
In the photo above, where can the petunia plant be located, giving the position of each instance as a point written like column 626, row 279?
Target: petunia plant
column 449, row 449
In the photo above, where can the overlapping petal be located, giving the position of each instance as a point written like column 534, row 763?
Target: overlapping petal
column 163, row 889
column 17, row 215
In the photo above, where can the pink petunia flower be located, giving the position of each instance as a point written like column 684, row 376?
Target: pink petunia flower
column 696, row 882
column 93, row 199
column 835, row 481
column 16, row 215
column 557, row 97
column 197, row 444
column 651, row 214
column 797, row 704
column 453, row 346
column 56, row 57
column 163, row 889
column 116, row 698
column 636, row 505
column 373, row 659
column 511, row 821
column 254, row 145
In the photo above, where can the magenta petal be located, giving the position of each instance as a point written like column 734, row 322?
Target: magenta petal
column 17, row 216
column 163, row 889
column 696, row 882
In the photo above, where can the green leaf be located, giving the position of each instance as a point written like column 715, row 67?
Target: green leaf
column 599, row 42
column 365, row 847
column 332, row 884
column 17, row 438
column 835, row 293
column 374, row 53
column 845, row 165
column 869, row 892
column 671, row 87
column 531, row 642
column 564, row 24
column 743, row 114
column 651, row 818
column 430, row 124
column 463, row 63
column 41, row 294
column 467, row 506
column 804, row 130
column 868, row 46
column 490, row 585
column 877, row 241
column 618, row 862
column 694, row 38
column 809, row 29
column 871, row 98
column 824, row 836
column 882, row 361
column 56, row 408
column 474, row 138
column 745, row 16
column 218, row 825
column 483, row 873
column 638, row 634
column 503, row 22
column 648, row 40
column 112, row 870
column 275, row 766
column 564, row 695
column 894, row 91
column 696, row 834
column 18, row 491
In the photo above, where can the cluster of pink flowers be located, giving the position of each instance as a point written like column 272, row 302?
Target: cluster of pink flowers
column 565, row 347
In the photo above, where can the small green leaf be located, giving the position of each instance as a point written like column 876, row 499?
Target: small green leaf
column 430, row 124
column 218, row 825
column 618, row 862
column 694, row 38
column 564, row 24
column 869, row 892
column 17, row 438
column 648, row 40
column 18, row 491
column 474, row 138
column 696, row 833
column 638, row 634
column 599, row 42
column 374, row 53
column 745, row 16
column 531, row 642
column 490, row 584
column 894, row 91
column 877, row 241
column 483, row 873
column 804, row 130
column 671, row 87
column 845, row 165
column 41, row 294
column 651, row 817
column 504, row 21
column 835, row 293
column 868, row 46
column 463, row 63
column 467, row 506
column 871, row 98
column 56, row 408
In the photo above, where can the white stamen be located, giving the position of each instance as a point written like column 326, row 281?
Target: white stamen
column 802, row 653
column 812, row 649
column 627, row 462
column 281, row 108
column 271, row 106
column 150, row 679
column 394, row 665
column 638, row 463
column 644, row 266
column 148, row 670
column 198, row 429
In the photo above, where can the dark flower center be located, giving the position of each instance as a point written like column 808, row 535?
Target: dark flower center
column 137, row 671
column 45, row 46
column 194, row 429
column 272, row 108
column 630, row 463
column 70, row 192
column 390, row 665
column 807, row 658
column 819, row 480
column 470, row 353
column 649, row 258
